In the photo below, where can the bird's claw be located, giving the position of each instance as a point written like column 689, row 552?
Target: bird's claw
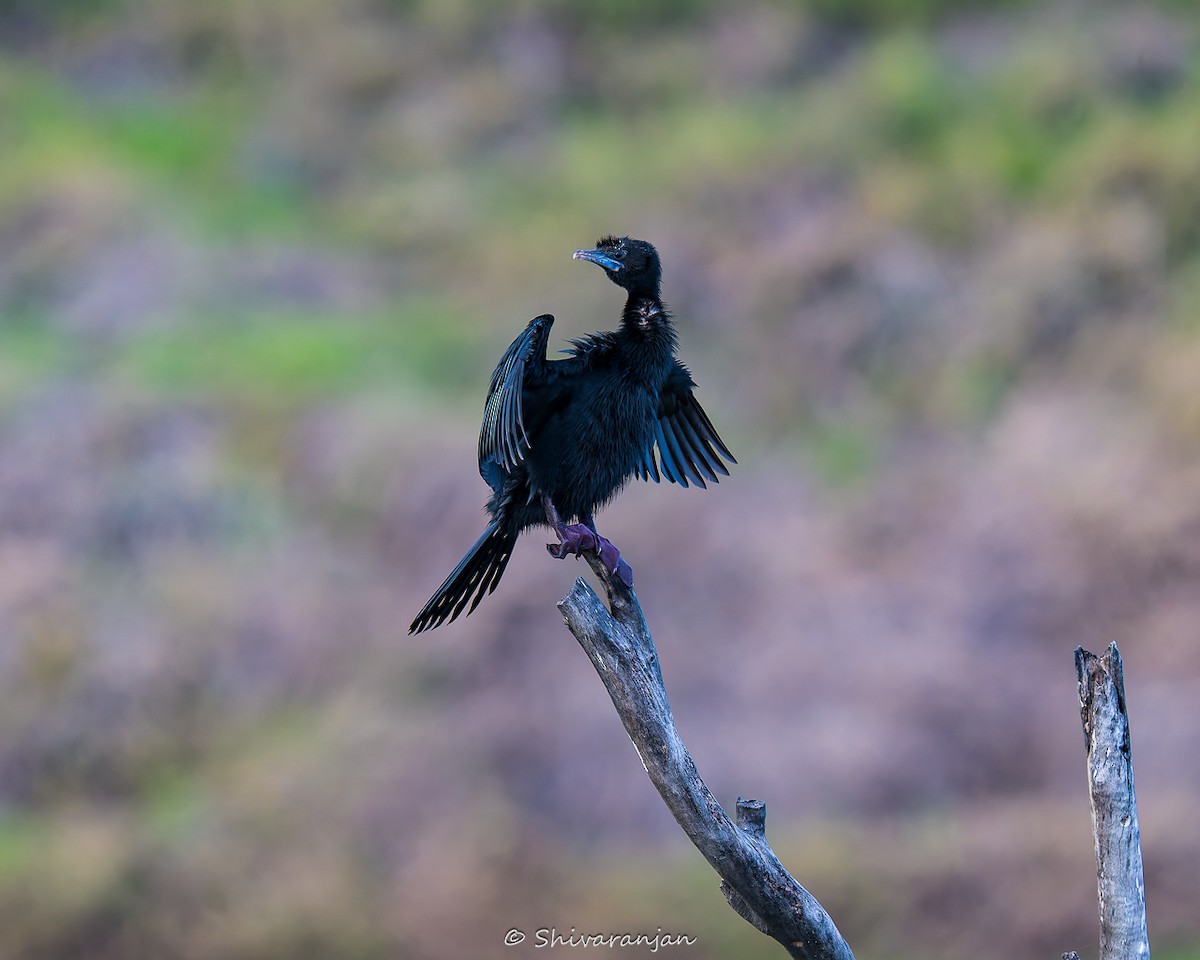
column 578, row 537
column 573, row 539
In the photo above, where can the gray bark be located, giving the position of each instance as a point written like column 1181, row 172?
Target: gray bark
column 1122, row 892
column 752, row 878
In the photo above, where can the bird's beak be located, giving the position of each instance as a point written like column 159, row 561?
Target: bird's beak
column 598, row 257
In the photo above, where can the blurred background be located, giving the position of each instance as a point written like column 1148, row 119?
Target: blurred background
column 935, row 265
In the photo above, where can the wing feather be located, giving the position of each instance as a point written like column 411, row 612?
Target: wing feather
column 687, row 445
column 701, row 453
column 502, row 437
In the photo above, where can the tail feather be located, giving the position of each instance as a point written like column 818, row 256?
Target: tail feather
column 476, row 575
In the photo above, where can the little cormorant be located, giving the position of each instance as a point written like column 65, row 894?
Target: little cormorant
column 561, row 437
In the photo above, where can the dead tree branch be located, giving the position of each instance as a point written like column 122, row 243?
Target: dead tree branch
column 752, row 878
column 1123, row 934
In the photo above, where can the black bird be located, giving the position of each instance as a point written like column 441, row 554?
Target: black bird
column 561, row 437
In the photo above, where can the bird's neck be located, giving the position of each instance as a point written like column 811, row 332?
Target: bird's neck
column 645, row 318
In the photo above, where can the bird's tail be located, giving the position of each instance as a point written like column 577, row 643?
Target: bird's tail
column 476, row 574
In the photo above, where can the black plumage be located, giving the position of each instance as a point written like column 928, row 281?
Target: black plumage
column 561, row 437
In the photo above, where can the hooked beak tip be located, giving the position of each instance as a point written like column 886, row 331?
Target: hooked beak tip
column 598, row 258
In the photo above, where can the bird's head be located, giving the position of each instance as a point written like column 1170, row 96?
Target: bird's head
column 631, row 264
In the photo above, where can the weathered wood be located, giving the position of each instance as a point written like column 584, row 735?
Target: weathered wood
column 752, row 878
column 1122, row 892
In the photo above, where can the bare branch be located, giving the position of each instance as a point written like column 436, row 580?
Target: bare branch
column 752, row 878
column 1122, row 891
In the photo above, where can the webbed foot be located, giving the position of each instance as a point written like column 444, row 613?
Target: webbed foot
column 578, row 537
column 573, row 538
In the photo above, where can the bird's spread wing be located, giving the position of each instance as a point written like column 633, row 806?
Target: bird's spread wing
column 687, row 442
column 502, row 438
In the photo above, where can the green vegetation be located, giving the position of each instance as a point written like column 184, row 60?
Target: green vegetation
column 280, row 358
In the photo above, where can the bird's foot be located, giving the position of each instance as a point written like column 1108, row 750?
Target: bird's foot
column 611, row 557
column 578, row 537
column 574, row 538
